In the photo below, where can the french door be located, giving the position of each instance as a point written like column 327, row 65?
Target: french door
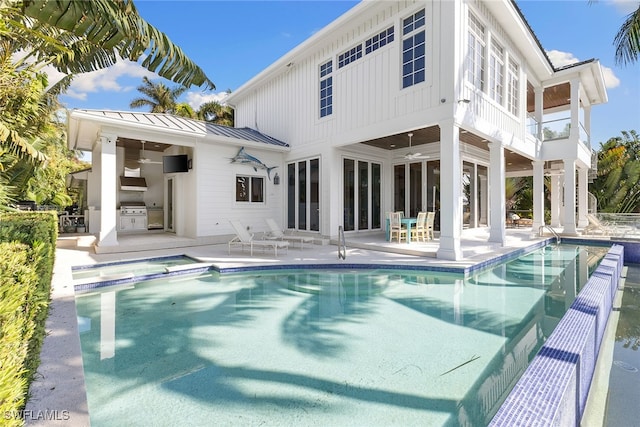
column 361, row 195
column 303, row 195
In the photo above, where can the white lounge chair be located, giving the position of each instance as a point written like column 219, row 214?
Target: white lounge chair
column 244, row 238
column 276, row 233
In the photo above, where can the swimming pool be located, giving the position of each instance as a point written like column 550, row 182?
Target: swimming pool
column 320, row 347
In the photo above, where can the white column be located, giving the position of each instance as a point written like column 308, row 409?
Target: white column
column 539, row 92
column 108, row 188
column 569, row 197
column 497, row 210
column 556, row 200
column 575, row 109
column 583, row 198
column 538, row 195
column 450, row 192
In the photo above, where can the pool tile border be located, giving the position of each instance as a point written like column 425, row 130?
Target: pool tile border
column 554, row 388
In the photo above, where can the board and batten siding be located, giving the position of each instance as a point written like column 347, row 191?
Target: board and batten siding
column 365, row 92
column 216, row 190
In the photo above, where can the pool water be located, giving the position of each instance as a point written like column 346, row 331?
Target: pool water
column 318, row 347
column 135, row 268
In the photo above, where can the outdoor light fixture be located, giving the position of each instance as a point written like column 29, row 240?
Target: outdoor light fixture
column 464, row 101
column 276, row 179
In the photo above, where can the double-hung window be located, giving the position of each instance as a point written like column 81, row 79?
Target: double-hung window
column 326, row 89
column 413, row 49
column 475, row 52
column 249, row 189
column 496, row 71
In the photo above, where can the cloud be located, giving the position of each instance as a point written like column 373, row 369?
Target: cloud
column 196, row 99
column 107, row 79
column 625, row 6
column 560, row 59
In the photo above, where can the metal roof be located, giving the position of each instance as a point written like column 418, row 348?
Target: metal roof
column 161, row 121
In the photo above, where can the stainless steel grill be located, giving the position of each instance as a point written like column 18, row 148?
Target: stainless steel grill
column 133, row 208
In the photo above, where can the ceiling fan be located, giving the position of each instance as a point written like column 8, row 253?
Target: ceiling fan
column 410, row 155
column 146, row 161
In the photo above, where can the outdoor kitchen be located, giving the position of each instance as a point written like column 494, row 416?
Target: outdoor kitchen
column 141, row 186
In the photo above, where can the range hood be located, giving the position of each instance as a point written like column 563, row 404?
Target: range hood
column 131, row 179
column 132, row 183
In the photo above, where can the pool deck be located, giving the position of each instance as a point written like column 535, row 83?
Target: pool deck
column 58, row 396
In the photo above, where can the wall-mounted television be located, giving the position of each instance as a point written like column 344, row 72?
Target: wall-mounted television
column 176, row 163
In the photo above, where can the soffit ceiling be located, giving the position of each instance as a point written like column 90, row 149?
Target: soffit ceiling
column 513, row 162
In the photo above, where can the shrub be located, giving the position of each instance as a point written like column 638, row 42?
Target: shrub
column 27, row 244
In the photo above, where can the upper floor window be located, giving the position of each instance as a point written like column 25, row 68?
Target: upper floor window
column 350, row 56
column 413, row 49
column 249, row 189
column 475, row 52
column 378, row 41
column 496, row 71
column 513, row 87
column 326, row 89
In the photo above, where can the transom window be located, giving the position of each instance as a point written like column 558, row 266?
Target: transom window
column 378, row 41
column 413, row 49
column 350, row 56
column 249, row 189
column 475, row 52
column 326, row 89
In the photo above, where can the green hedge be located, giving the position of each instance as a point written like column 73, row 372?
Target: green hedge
column 27, row 245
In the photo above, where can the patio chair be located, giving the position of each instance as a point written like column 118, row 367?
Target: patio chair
column 244, row 238
column 421, row 227
column 396, row 228
column 431, row 216
column 595, row 226
column 276, row 233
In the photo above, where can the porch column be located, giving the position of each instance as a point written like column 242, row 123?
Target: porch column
column 555, row 200
column 583, row 198
column 108, row 187
column 497, row 210
column 450, row 192
column 574, row 133
column 538, row 195
column 539, row 92
column 569, row 197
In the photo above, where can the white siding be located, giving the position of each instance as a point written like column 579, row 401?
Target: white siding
column 365, row 92
column 216, row 203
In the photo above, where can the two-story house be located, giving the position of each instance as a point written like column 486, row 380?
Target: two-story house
column 396, row 105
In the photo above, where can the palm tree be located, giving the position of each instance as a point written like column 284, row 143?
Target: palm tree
column 617, row 186
column 627, row 40
column 160, row 98
column 217, row 113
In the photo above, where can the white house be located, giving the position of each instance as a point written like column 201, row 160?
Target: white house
column 396, row 105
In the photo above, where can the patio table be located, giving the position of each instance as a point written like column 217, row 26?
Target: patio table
column 409, row 222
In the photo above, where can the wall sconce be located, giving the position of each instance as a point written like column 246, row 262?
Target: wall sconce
column 276, row 179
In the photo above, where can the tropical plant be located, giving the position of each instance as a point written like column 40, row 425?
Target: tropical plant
column 157, row 96
column 216, row 113
column 78, row 36
column 617, row 186
column 627, row 39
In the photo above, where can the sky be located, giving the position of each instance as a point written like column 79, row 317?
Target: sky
column 232, row 41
